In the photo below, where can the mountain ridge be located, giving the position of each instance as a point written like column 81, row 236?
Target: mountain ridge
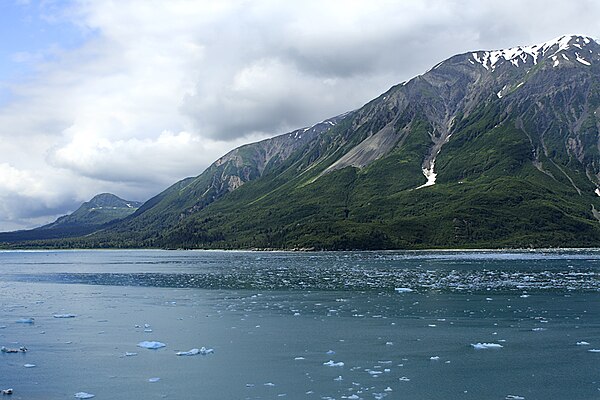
column 486, row 149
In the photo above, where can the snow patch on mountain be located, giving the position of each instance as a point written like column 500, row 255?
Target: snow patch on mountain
column 530, row 55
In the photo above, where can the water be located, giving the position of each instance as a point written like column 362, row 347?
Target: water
column 275, row 319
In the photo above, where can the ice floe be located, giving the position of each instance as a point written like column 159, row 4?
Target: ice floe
column 481, row 346
column 64, row 315
column 583, row 343
column 332, row 363
column 151, row 345
column 25, row 321
column 130, row 354
column 153, row 380
column 594, row 350
column 29, row 365
column 84, row 395
column 193, row 352
column 403, row 290
column 514, row 397
column 21, row 349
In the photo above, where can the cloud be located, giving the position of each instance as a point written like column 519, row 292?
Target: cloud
column 154, row 91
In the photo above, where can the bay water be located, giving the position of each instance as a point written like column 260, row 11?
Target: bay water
column 332, row 325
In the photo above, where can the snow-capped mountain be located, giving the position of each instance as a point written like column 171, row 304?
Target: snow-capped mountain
column 578, row 48
column 487, row 148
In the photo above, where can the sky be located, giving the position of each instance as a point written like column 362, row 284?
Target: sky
column 130, row 96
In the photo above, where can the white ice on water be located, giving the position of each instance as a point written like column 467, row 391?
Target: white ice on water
column 482, row 346
column 25, row 321
column 64, row 315
column 403, row 290
column 193, row 352
column 332, row 363
column 84, row 395
column 151, row 345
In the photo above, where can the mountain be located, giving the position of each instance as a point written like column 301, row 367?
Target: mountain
column 486, row 149
column 99, row 212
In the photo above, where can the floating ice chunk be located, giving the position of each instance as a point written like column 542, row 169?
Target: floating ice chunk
column 404, row 379
column 270, row 384
column 29, row 365
column 21, row 349
column 84, row 395
column 6, row 391
column 514, row 397
column 538, row 329
column 148, row 330
column 338, row 379
column 353, row 397
column 403, row 290
column 26, row 321
column 434, row 358
column 64, row 315
column 299, row 358
column 582, row 343
column 152, row 380
column 151, row 345
column 130, row 354
column 193, row 352
column 481, row 346
column 594, row 350
column 332, row 363
column 388, row 389
column 330, row 352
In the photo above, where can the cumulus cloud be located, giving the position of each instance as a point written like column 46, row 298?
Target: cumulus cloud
column 154, row 91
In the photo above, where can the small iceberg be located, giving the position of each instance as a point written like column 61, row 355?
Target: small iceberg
column 582, row 343
column 403, row 290
column 594, row 350
column 64, row 315
column 29, row 365
column 153, row 380
column 434, row 358
column 26, row 321
column 84, row 395
column 151, row 345
column 21, row 349
column 193, row 352
column 130, row 354
column 332, row 363
column 481, row 346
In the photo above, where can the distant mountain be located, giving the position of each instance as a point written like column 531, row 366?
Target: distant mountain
column 486, row 149
column 99, row 212
column 101, row 209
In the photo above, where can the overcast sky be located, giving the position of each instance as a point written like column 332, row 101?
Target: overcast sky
column 129, row 97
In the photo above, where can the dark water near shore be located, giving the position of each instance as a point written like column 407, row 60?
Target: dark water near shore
column 276, row 320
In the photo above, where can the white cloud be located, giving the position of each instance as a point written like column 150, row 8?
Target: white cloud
column 160, row 89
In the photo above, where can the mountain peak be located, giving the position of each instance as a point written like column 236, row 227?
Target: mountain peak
column 581, row 48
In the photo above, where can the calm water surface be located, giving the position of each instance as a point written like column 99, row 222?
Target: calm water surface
column 371, row 325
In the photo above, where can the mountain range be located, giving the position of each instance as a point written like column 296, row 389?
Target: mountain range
column 98, row 213
column 486, row 149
